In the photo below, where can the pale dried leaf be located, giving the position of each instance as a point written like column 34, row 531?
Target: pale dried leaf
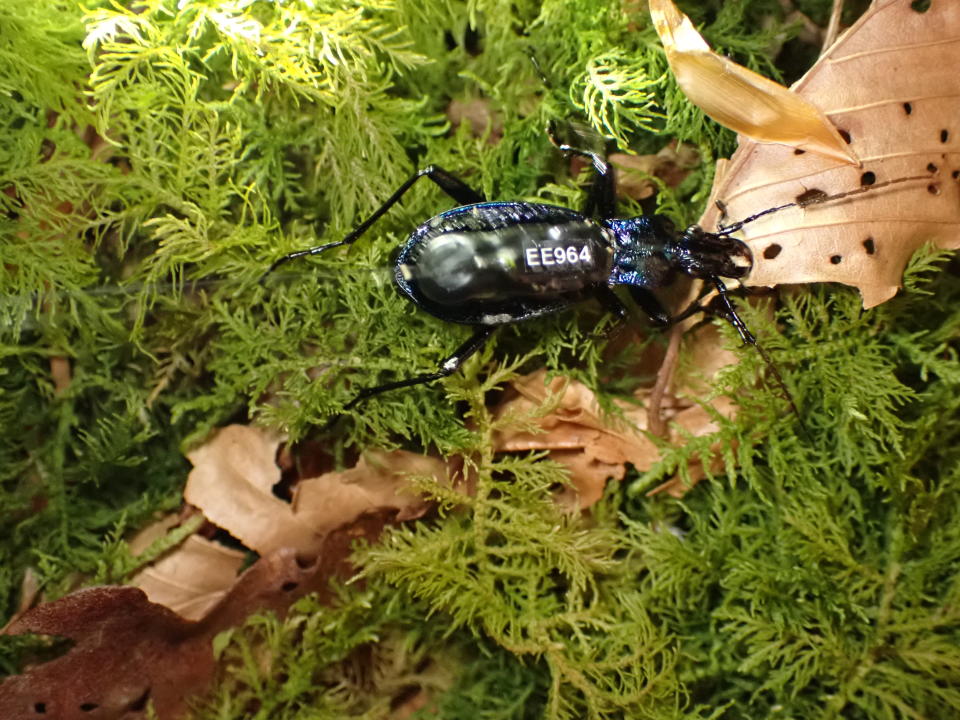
column 379, row 481
column 232, row 483
column 153, row 532
column 192, row 578
column 738, row 98
column 29, row 592
column 235, row 472
column 892, row 83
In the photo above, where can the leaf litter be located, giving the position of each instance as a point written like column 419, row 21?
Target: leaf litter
column 153, row 641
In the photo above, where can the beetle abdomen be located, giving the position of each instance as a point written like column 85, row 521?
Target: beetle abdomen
column 513, row 260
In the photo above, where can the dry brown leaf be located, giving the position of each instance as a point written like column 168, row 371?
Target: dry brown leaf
column 891, row 82
column 61, row 373
column 588, row 478
column 379, row 481
column 480, row 116
column 635, row 172
column 235, row 472
column 193, row 578
column 739, row 98
column 594, row 447
column 232, row 483
column 696, row 421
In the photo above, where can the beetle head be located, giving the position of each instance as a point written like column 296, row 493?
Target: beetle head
column 705, row 255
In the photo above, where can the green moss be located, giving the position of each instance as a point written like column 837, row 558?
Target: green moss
column 814, row 575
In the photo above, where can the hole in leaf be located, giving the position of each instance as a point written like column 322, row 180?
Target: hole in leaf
column 955, row 174
column 931, row 168
column 835, row 259
column 798, row 151
column 88, row 707
column 868, row 178
column 141, row 702
column 933, row 189
column 920, row 6
column 944, row 135
column 845, row 135
column 289, row 586
column 907, row 108
column 869, row 246
column 772, row 251
column 810, row 197
column 305, row 562
column 40, row 708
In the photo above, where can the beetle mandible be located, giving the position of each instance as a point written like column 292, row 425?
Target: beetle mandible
column 486, row 264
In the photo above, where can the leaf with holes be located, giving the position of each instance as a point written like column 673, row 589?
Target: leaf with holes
column 129, row 653
column 891, row 84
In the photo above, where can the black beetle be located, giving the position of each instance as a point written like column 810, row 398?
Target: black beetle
column 486, row 264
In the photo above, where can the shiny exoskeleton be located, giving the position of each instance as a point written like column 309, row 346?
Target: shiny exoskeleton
column 487, row 264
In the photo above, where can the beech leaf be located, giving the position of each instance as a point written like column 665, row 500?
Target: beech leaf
column 891, row 82
column 235, row 472
column 192, row 578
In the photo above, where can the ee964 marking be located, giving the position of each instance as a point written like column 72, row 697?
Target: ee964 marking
column 543, row 257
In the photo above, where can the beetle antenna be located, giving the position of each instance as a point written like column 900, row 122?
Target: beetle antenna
column 732, row 228
column 812, row 197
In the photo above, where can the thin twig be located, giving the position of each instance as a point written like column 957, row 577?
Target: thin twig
column 833, row 26
column 655, row 422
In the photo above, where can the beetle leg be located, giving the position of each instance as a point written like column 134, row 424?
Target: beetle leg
column 447, row 367
column 449, row 183
column 601, row 197
column 651, row 306
column 730, row 314
column 612, row 304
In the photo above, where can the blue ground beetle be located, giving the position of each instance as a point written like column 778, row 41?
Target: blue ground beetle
column 486, row 264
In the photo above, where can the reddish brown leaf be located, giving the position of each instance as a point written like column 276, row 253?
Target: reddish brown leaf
column 123, row 646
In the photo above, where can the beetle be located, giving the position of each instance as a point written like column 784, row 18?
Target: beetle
column 492, row 263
